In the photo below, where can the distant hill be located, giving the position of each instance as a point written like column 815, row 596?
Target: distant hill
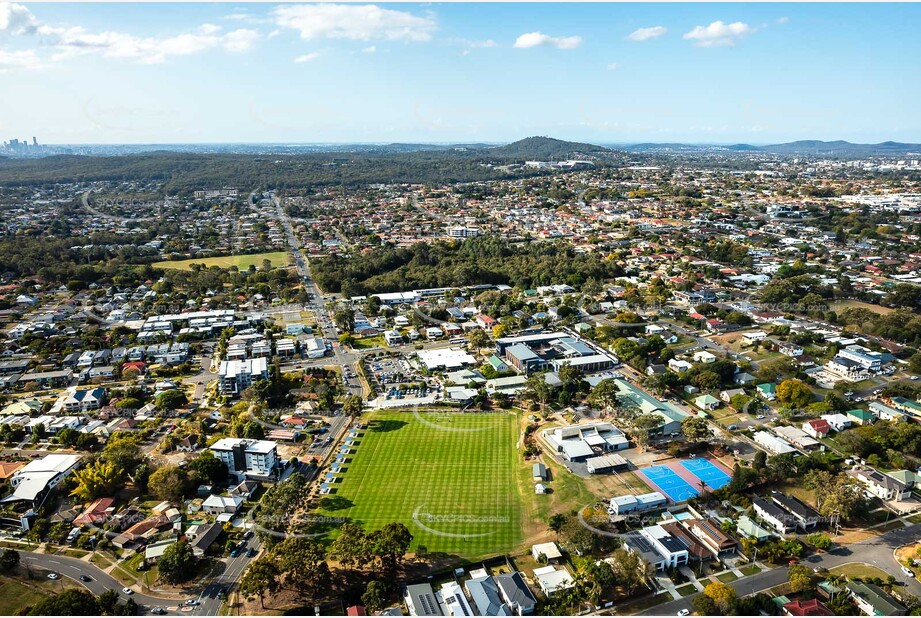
column 546, row 148
column 837, row 148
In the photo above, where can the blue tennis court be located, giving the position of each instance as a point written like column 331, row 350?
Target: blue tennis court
column 706, row 471
column 669, row 482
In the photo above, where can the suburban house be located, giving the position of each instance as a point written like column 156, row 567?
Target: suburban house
column 202, row 536
column 838, row 422
column 817, row 428
column 710, row 534
column 420, row 600
column 707, row 402
column 218, row 505
column 510, row 597
column 551, row 579
column 873, row 600
column 775, row 517
column 805, row 516
column 657, row 546
column 861, row 417
column 767, row 391
column 884, row 486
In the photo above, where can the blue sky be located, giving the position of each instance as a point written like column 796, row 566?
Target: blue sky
column 604, row 73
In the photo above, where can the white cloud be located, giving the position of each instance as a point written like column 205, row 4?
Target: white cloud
column 19, row 60
column 613, row 66
column 369, row 50
column 718, row 34
column 240, row 40
column 645, row 34
column 782, row 20
column 307, row 57
column 208, row 29
column 537, row 39
column 353, row 21
column 70, row 41
column 16, row 19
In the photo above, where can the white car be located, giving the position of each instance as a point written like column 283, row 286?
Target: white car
column 684, row 612
column 53, row 576
column 128, row 591
column 192, row 602
column 908, row 571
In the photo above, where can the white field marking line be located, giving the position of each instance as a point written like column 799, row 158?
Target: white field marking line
column 486, row 465
column 363, row 477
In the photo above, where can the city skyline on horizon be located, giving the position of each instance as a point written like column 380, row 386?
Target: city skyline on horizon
column 237, row 73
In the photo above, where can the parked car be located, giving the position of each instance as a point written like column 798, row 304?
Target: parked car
column 128, row 591
column 53, row 576
column 684, row 612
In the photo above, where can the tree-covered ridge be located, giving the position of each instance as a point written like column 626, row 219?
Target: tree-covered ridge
column 185, row 172
column 475, row 261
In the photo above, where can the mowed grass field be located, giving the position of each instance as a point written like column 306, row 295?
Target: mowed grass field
column 449, row 477
column 243, row 262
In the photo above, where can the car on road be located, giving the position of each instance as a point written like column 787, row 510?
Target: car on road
column 732, row 427
column 86, row 578
column 234, row 553
column 684, row 612
column 759, row 417
column 908, row 571
column 53, row 576
column 128, row 591
column 248, row 534
column 192, row 602
column 159, row 611
column 251, row 553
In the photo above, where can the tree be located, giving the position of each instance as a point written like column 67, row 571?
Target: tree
column 760, row 460
column 9, row 560
column 593, row 578
column 102, row 478
column 557, row 522
column 390, row 544
column 696, row 429
column 208, row 469
column 108, row 601
column 303, row 566
column 352, row 406
column 376, row 595
column 170, row 400
column 794, row 392
column 261, row 577
column 819, row 540
column 723, row 596
column 642, row 428
column 71, row 602
column 169, row 483
column 704, row 605
column 801, row 578
column 536, row 389
column 352, row 547
column 122, row 450
column 630, row 570
column 177, row 564
column 842, row 495
column 478, row 338
column 604, row 395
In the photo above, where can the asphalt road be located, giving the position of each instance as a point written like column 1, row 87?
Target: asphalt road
column 876, row 551
column 100, row 580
